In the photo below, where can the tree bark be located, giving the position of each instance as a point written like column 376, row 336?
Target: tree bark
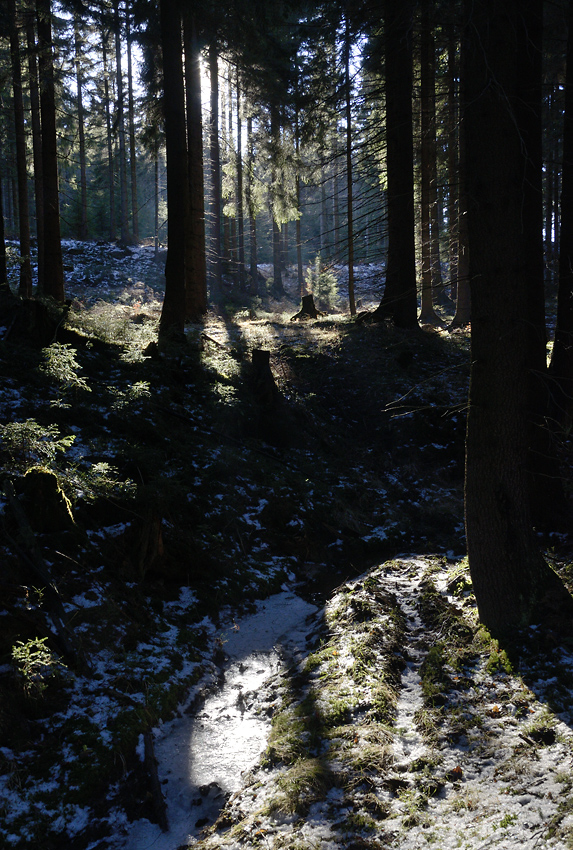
column 513, row 584
column 349, row 201
column 109, row 136
column 196, row 289
column 25, row 287
column 172, row 322
column 254, row 272
column 36, row 138
column 83, row 224
column 131, row 118
column 215, row 157
column 277, row 288
column 53, row 265
column 427, row 314
column 123, row 214
column 561, row 370
column 240, row 183
column 4, row 288
column 400, row 299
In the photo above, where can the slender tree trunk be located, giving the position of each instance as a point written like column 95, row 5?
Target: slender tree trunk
column 453, row 163
column 561, row 408
column 156, row 193
column 123, row 214
column 427, row 314
column 36, row 139
column 513, row 584
column 462, row 315
column 197, row 273
column 323, row 210
column 215, row 163
column 108, row 122
column 131, row 118
column 300, row 277
column 4, row 288
column 172, row 320
column 240, row 205
column 25, row 287
column 335, row 201
column 400, row 299
column 254, row 285
column 53, row 265
column 278, row 289
column 435, row 202
column 350, row 204
column 83, row 225
column 232, row 159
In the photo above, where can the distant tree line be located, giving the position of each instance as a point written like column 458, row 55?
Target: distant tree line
column 434, row 137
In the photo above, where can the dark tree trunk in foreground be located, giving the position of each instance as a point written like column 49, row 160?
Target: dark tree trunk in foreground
column 196, row 288
column 53, row 265
column 400, row 300
column 513, row 584
column 172, row 320
column 561, row 410
column 25, row 288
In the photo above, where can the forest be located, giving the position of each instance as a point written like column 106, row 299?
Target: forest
column 286, row 358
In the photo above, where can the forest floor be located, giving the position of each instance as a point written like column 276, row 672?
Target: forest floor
column 176, row 498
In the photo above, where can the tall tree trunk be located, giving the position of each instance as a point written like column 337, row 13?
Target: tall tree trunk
column 232, row 159
column 400, row 299
column 435, row 201
column 4, row 288
column 83, row 225
column 215, row 163
column 36, row 138
column 172, row 320
column 462, row 315
column 254, row 284
column 156, row 196
column 349, row 197
column 240, row 206
column 109, row 136
column 513, row 584
column 277, row 288
column 53, row 265
column 300, row 277
column 131, row 118
column 25, row 287
column 324, row 247
column 197, row 273
column 561, row 370
column 453, row 162
column 123, row 215
column 427, row 314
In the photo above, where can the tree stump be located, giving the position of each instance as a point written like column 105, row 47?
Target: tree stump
column 308, row 309
column 265, row 389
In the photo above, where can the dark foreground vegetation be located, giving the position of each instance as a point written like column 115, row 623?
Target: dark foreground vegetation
column 146, row 494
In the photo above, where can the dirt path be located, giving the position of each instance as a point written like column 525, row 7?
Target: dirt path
column 403, row 728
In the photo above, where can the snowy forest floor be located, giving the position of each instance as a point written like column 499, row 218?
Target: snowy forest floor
column 187, row 499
